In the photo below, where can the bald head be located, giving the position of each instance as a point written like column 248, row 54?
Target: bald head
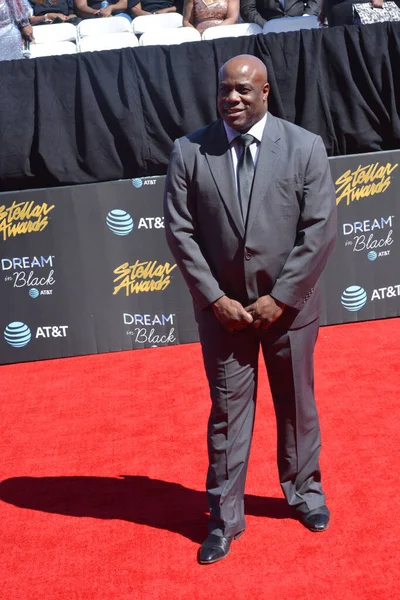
column 246, row 64
column 242, row 92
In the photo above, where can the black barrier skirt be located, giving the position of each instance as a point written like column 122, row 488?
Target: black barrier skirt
column 86, row 269
column 102, row 116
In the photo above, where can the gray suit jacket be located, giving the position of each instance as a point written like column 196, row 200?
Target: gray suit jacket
column 291, row 225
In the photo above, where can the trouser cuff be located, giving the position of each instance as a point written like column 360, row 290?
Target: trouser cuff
column 321, row 510
column 226, row 530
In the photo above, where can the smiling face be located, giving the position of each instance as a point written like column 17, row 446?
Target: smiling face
column 242, row 92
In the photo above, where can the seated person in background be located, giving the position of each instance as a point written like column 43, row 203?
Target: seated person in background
column 153, row 7
column 53, row 11
column 340, row 12
column 202, row 14
column 88, row 9
column 14, row 27
column 261, row 11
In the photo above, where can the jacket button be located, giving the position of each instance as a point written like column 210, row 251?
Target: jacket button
column 247, row 256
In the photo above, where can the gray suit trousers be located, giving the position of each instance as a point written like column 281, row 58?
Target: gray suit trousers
column 231, row 364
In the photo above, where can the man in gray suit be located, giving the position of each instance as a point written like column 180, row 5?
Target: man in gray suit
column 250, row 218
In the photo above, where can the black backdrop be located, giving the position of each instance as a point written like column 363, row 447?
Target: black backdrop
column 108, row 115
column 86, row 269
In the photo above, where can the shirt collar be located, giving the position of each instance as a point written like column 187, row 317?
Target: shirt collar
column 257, row 130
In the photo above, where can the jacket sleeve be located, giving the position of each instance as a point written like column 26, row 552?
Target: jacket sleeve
column 316, row 233
column 180, row 227
column 21, row 11
column 250, row 14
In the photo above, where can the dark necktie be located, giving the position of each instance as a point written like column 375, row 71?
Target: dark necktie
column 245, row 174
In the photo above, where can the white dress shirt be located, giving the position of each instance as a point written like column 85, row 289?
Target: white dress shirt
column 236, row 146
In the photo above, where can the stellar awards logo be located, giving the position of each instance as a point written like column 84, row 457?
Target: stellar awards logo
column 23, row 218
column 146, row 276
column 364, row 182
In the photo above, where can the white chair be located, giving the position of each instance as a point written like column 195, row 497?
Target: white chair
column 39, row 50
column 111, row 41
column 102, row 26
column 237, row 30
column 168, row 37
column 48, row 34
column 146, row 23
column 290, row 24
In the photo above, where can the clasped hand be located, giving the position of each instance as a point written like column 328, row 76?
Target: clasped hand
column 235, row 317
column 105, row 12
column 265, row 311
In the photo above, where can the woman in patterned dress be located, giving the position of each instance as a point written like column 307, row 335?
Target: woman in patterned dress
column 14, row 27
column 202, row 14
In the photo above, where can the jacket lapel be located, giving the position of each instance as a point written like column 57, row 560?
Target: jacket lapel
column 267, row 162
column 218, row 156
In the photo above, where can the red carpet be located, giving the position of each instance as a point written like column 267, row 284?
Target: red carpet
column 103, row 463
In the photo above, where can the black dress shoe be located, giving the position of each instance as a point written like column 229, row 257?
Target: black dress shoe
column 316, row 521
column 215, row 548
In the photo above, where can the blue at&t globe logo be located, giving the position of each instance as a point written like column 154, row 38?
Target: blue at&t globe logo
column 137, row 183
column 119, row 221
column 17, row 334
column 354, row 298
column 34, row 293
column 372, row 255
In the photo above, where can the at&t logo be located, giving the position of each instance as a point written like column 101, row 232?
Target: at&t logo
column 119, row 222
column 390, row 291
column 354, row 298
column 137, row 182
column 18, row 334
column 151, row 223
